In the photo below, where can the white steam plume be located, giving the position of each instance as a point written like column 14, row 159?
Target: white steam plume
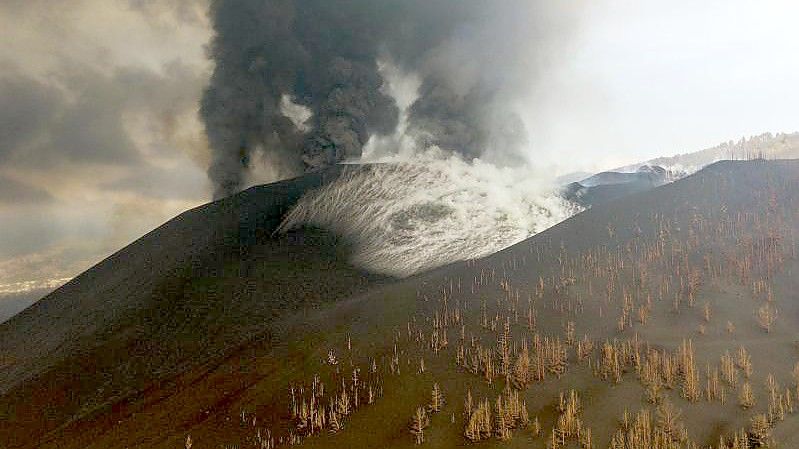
column 429, row 210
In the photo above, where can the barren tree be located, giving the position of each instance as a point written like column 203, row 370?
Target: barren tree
column 766, row 315
column 436, row 399
column 746, row 397
column 419, row 422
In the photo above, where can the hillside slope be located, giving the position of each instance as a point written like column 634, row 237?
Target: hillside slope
column 183, row 294
column 675, row 305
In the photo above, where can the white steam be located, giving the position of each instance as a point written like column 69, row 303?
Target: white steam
column 429, row 210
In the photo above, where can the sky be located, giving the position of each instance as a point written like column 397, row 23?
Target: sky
column 100, row 140
column 651, row 78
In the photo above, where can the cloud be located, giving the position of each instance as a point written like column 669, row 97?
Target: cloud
column 163, row 183
column 25, row 232
column 100, row 138
column 168, row 11
column 84, row 116
column 14, row 192
column 28, row 107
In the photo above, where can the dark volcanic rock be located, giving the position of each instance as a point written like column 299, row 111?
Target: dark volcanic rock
column 202, row 283
column 607, row 186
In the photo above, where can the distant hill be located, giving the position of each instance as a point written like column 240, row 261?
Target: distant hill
column 764, row 146
column 569, row 178
column 607, row 186
column 588, row 190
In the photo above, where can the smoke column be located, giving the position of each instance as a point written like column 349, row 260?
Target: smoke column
column 476, row 61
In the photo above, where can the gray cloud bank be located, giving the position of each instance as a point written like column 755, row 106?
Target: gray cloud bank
column 98, row 123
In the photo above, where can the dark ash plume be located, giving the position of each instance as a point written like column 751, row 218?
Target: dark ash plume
column 323, row 55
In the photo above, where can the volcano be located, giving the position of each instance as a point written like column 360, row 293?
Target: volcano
column 670, row 309
column 208, row 280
